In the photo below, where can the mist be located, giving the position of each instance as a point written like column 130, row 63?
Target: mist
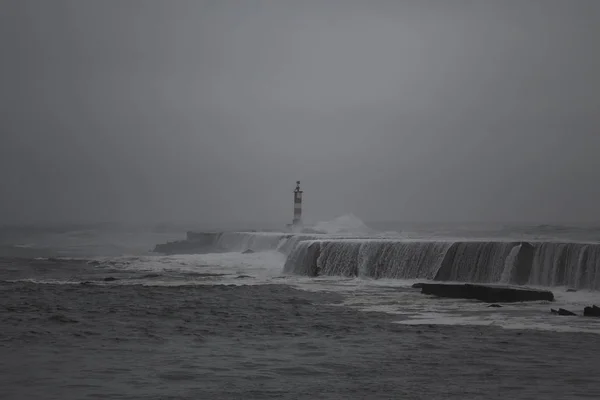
column 209, row 111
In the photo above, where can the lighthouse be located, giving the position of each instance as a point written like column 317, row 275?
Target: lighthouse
column 297, row 205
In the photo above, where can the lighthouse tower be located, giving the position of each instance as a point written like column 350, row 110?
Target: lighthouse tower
column 297, row 205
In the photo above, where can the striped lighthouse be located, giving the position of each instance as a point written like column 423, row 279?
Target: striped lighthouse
column 297, row 205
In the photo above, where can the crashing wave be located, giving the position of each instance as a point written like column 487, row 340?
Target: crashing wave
column 347, row 224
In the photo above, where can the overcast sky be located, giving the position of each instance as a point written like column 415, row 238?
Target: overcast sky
column 209, row 111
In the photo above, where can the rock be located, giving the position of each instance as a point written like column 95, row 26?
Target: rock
column 593, row 311
column 562, row 311
column 249, row 251
column 488, row 294
column 495, row 305
column 418, row 285
column 571, row 290
column 109, row 279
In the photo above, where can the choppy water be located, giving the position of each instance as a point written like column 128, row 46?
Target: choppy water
column 222, row 342
column 97, row 315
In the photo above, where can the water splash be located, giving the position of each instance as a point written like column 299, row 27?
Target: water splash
column 345, row 224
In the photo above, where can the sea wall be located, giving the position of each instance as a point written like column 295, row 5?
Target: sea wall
column 575, row 265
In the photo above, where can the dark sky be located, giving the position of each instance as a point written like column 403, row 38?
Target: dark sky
column 209, row 111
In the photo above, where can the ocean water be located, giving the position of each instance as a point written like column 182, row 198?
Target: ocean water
column 91, row 312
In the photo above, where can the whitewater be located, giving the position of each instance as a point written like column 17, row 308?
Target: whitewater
column 327, row 312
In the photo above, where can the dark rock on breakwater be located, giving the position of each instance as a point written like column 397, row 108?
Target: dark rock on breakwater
column 488, row 294
column 593, row 311
column 562, row 311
